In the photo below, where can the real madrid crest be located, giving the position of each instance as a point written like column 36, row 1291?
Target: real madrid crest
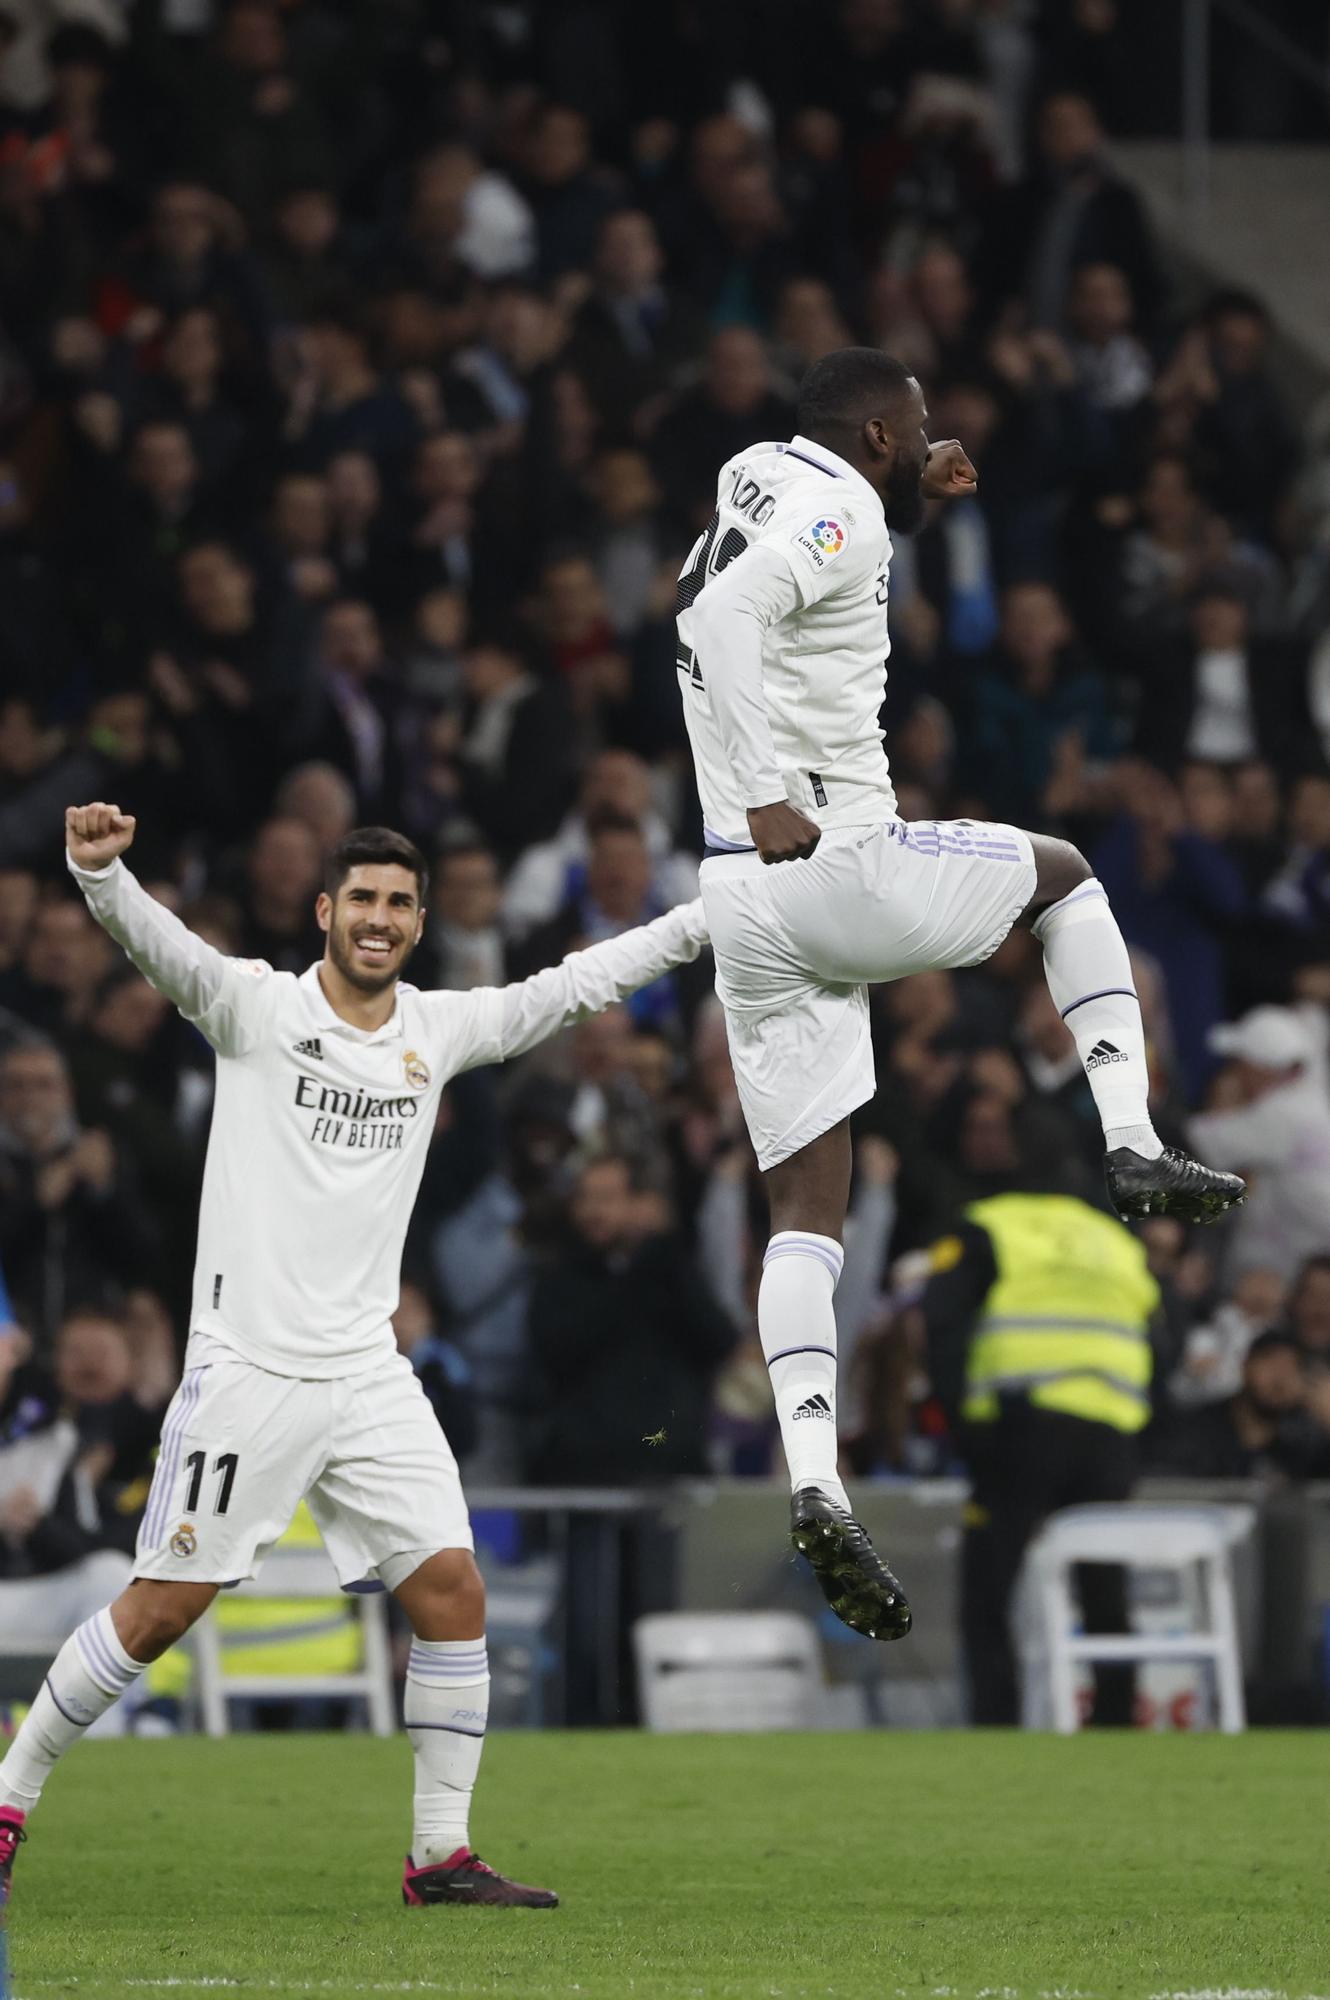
column 417, row 1070
column 184, row 1542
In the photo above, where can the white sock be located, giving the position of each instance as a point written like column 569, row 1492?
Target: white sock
column 90, row 1672
column 446, row 1709
column 1089, row 976
column 797, row 1322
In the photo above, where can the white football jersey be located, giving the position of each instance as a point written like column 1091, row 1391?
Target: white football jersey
column 320, row 1129
column 824, row 663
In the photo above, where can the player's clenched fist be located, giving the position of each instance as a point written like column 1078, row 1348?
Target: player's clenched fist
column 96, row 834
column 782, row 833
column 948, row 473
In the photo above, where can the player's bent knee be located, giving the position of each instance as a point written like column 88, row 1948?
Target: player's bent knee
column 1059, row 868
column 445, row 1597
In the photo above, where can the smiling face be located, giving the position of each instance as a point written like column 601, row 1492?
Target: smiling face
column 374, row 924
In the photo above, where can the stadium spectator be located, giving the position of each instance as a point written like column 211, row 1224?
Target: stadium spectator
column 736, row 401
column 282, row 877
column 1273, row 1112
column 444, row 1373
column 627, row 1338
column 513, row 748
column 340, row 402
column 1222, row 694
column 464, row 943
column 1214, row 1352
column 1175, row 892
column 322, row 798
column 117, row 1414
column 632, row 336
column 1038, row 690
column 75, row 1460
column 1241, row 434
column 61, row 966
column 1113, row 366
column 546, row 874
column 1267, row 1430
column 72, row 1222
column 480, row 1255
column 1072, row 211
column 363, row 718
column 125, row 1083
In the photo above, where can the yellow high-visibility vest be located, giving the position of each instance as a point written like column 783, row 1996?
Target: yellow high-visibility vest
column 272, row 1635
column 1067, row 1321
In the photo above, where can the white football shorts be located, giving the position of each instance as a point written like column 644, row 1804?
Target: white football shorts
column 241, row 1448
column 798, row 944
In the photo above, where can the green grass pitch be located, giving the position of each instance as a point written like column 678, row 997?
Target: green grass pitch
column 725, row 1868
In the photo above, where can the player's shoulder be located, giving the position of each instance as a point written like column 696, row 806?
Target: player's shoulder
column 283, row 995
column 256, row 983
column 752, row 454
column 427, row 1008
column 823, row 523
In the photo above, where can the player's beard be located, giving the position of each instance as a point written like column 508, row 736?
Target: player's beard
column 365, row 978
column 903, row 500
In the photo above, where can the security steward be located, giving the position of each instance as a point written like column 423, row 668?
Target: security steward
column 1038, row 1313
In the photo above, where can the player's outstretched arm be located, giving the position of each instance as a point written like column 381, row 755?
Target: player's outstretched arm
column 505, row 1021
column 216, row 992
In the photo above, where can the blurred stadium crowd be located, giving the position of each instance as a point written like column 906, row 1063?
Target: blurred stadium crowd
column 365, row 371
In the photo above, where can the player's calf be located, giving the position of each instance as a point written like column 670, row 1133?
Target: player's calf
column 153, row 1615
column 92, row 1671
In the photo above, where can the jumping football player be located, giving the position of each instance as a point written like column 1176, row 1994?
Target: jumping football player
column 782, row 620
column 327, row 1091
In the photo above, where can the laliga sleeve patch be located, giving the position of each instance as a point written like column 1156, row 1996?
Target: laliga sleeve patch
column 822, row 540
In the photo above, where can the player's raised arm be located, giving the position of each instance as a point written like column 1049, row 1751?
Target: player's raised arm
column 501, row 1021
column 218, row 993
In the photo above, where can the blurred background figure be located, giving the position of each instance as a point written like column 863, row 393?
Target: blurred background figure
column 1038, row 1313
column 1275, row 1117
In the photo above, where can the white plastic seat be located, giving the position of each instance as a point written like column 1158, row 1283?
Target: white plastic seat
column 727, row 1670
column 1194, row 1540
column 298, row 1573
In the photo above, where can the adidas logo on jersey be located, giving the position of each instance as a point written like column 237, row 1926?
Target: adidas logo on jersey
column 814, row 1406
column 313, row 1048
column 1104, row 1052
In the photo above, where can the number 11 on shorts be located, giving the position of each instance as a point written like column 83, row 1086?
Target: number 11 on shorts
column 225, row 1468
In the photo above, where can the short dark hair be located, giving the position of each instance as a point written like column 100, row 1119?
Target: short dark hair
column 1235, row 299
column 605, row 819
column 1320, row 1262
column 464, row 848
column 847, row 386
column 1271, row 1341
column 374, row 846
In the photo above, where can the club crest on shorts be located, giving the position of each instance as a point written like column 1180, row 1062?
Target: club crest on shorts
column 417, row 1070
column 184, row 1542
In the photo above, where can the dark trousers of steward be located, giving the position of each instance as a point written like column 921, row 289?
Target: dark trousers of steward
column 1023, row 1467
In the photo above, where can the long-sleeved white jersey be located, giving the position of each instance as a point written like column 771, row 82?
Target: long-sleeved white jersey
column 320, row 1129
column 783, row 642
